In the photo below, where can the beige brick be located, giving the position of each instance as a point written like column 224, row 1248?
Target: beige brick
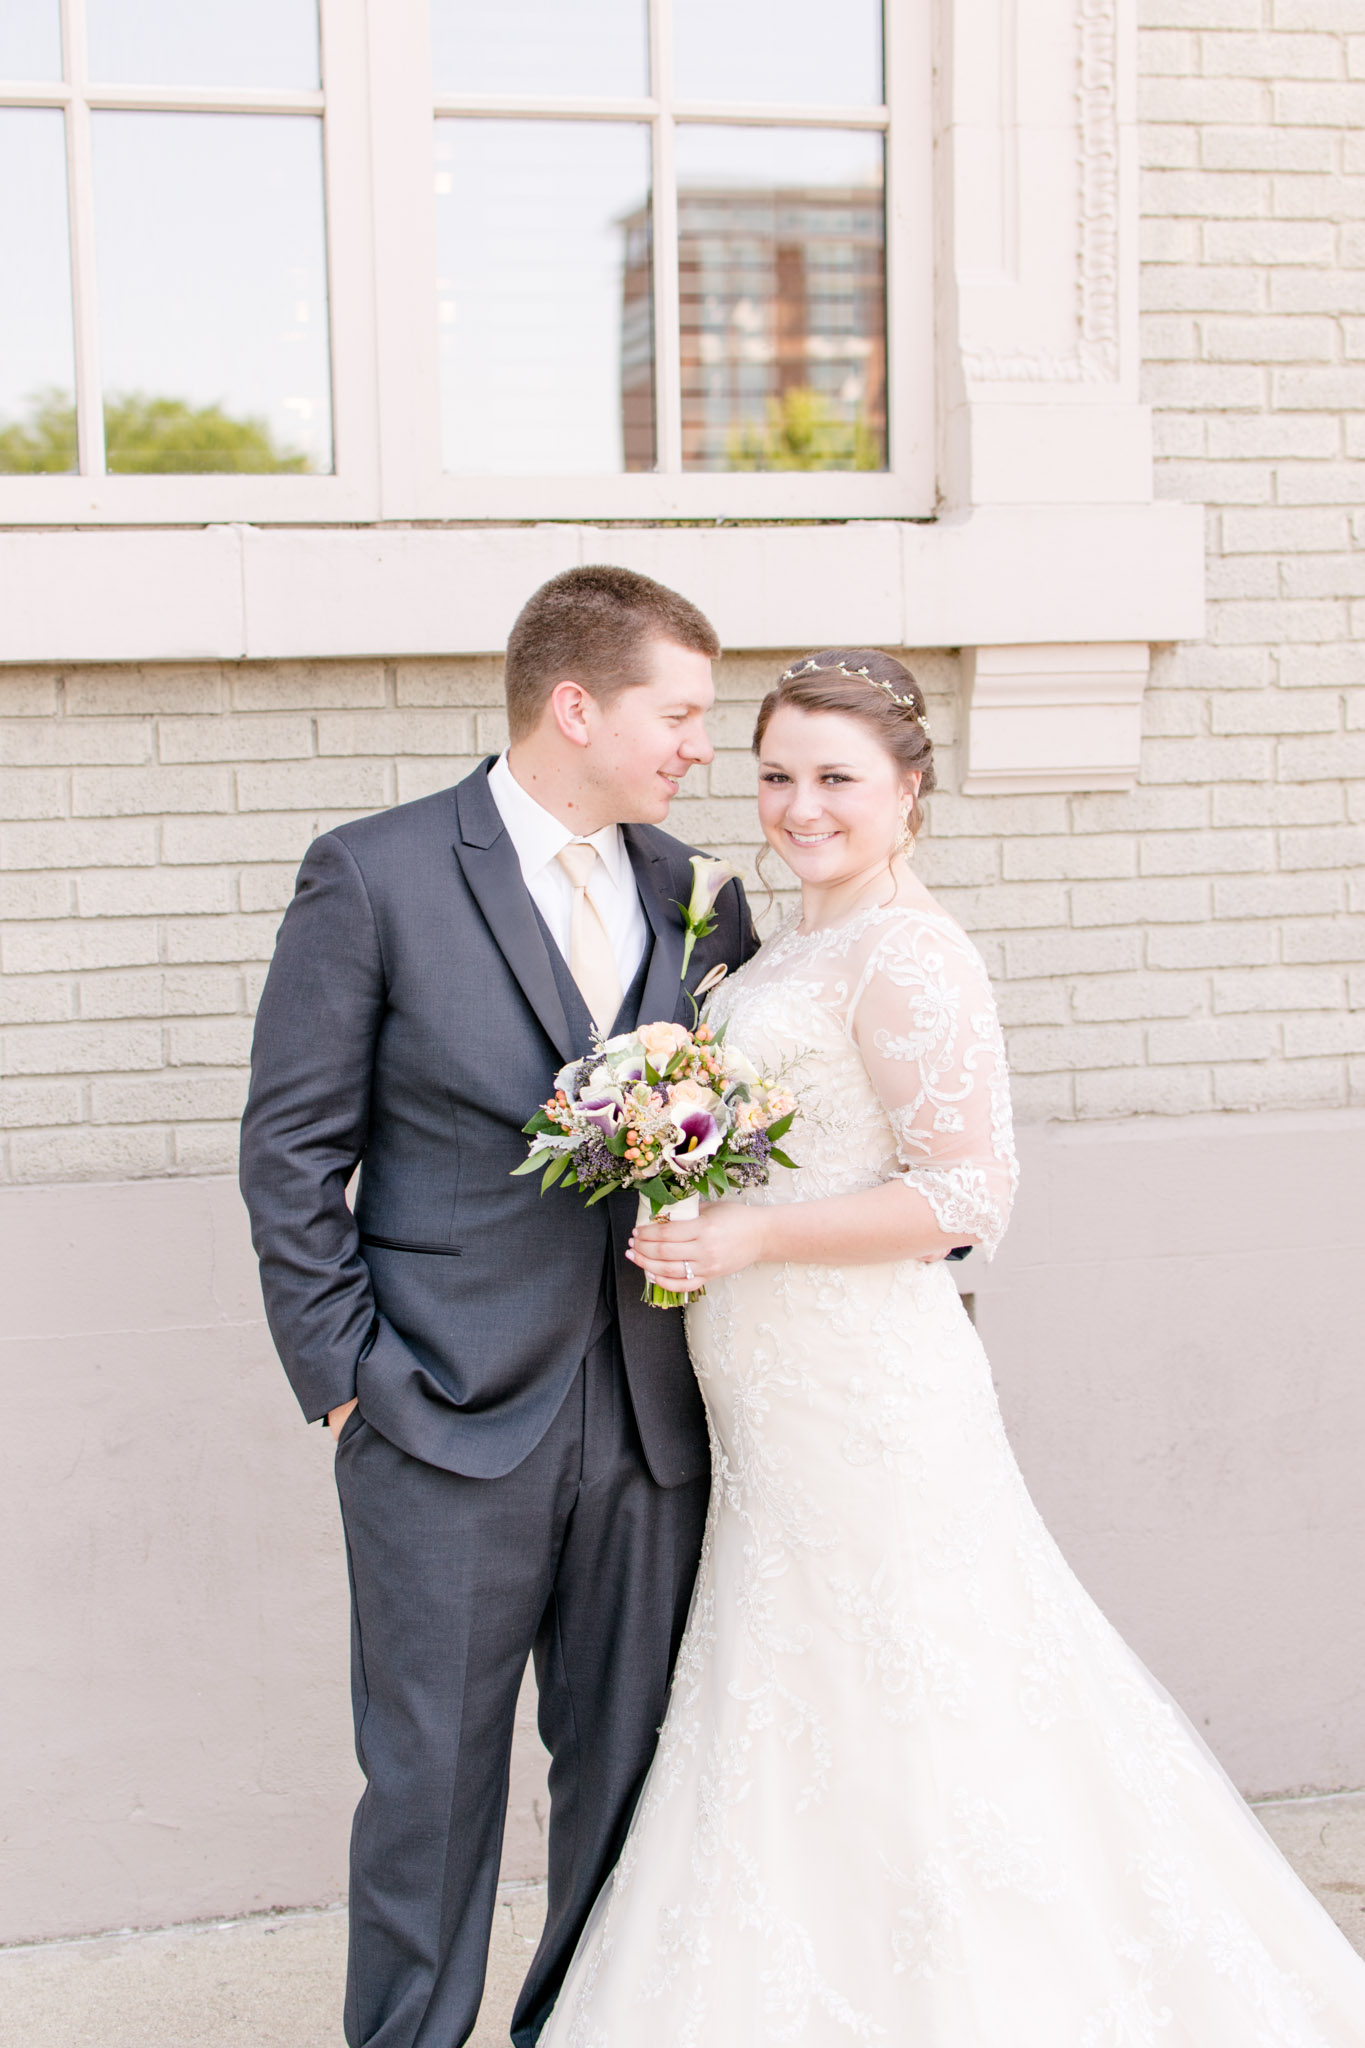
column 282, row 738
column 1210, row 1040
column 1319, row 483
column 230, row 840
column 1196, row 287
column 1114, row 998
column 59, row 742
column 1168, row 148
column 75, row 944
column 1313, row 620
column 1323, row 939
column 265, row 888
column 253, row 981
column 1277, row 895
column 476, row 684
column 1334, row 15
column 35, row 1104
column 122, row 995
column 76, row 843
column 86, row 1154
column 1286, row 339
column 1148, row 809
column 210, row 1042
column 1268, row 242
column 394, row 732
column 1266, row 149
column 1328, row 106
column 31, row 793
column 1208, row 667
column 205, row 1148
column 168, row 1098
column 1235, row 100
column 1281, row 530
column 1317, row 291
column 1042, row 1098
column 1207, row 853
column 1203, row 384
column 1307, row 1085
column 1006, row 906
column 83, row 1048
column 1169, row 1091
column 1206, row 195
column 24, row 895
column 1087, row 855
column 1207, row 760
column 1325, row 759
column 1356, row 989
column 1273, row 434
column 306, row 685
column 1139, row 902
column 1201, row 14
column 1172, row 714
column 28, row 692
column 1326, row 846
column 314, row 785
column 1275, row 711
column 1315, row 668
column 1277, row 988
column 1168, row 241
column 490, row 732
column 1033, row 955
column 963, row 817
column 1168, row 53
column 107, row 692
column 1178, row 434
column 1339, row 388
column 1314, row 198
column 1238, row 576
column 1272, row 57
column 1307, row 1038
column 144, row 792
column 1211, row 945
column 1306, row 803
column 1220, row 483
column 732, row 774
column 40, row 999
column 424, row 778
column 1075, row 1046
column 204, row 939
column 155, row 892
column 712, row 821
column 1031, row 1002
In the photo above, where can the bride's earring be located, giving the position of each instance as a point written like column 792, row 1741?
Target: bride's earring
column 905, row 845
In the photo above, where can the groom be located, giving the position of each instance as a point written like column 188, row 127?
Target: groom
column 522, row 1455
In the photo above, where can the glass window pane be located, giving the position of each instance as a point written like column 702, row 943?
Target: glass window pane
column 37, row 352
column 30, row 39
column 541, row 46
column 212, row 292
column 782, row 284
column 203, row 42
column 544, row 297
column 802, row 52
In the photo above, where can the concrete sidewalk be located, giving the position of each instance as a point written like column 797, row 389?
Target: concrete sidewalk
column 275, row 1981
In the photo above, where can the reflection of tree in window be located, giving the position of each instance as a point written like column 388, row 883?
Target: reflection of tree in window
column 146, row 436
column 782, row 303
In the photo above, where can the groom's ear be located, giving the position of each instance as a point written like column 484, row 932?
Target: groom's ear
column 569, row 709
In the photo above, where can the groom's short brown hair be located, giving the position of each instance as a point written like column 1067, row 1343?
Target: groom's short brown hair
column 592, row 626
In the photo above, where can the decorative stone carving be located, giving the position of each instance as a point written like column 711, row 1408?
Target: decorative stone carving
column 1053, row 718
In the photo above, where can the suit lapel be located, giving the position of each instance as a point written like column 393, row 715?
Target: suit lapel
column 493, row 872
column 661, row 998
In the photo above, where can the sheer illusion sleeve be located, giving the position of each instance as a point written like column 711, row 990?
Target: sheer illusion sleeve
column 924, row 1020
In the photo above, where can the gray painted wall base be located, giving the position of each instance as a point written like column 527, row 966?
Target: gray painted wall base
column 1173, row 1324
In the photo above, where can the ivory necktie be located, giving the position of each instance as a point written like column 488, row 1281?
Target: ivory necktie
column 592, row 962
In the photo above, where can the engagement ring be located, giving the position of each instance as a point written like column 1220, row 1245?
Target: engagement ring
column 687, row 1269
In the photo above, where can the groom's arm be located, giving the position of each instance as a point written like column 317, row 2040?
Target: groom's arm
column 305, row 1126
column 739, row 936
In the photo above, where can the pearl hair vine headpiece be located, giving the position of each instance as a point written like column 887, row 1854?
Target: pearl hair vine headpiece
column 811, row 667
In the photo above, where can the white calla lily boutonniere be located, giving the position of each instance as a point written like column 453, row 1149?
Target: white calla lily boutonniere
column 709, row 877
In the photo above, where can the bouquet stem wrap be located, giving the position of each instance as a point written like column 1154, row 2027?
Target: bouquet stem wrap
column 685, row 1211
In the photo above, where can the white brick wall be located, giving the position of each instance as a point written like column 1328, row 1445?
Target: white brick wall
column 1193, row 945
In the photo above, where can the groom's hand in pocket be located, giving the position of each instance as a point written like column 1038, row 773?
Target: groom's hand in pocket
column 337, row 1416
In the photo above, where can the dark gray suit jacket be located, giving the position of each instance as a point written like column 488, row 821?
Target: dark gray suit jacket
column 411, row 1022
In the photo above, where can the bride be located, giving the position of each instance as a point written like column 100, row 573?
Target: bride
column 911, row 1787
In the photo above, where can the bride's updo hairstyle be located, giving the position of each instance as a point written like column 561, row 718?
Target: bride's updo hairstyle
column 857, row 682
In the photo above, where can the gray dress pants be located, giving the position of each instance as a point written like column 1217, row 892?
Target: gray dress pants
column 577, row 1557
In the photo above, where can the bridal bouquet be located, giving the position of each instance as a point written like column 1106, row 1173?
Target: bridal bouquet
column 672, row 1113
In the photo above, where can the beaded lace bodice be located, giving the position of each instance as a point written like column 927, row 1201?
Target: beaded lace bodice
column 885, row 1029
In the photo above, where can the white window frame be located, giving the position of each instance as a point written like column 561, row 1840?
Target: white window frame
column 351, row 492
column 379, row 105
column 406, row 103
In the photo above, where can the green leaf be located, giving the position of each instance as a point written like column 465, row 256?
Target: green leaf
column 782, row 1126
column 609, row 1188
column 782, row 1159
column 553, row 1171
column 616, row 1144
column 539, row 1125
column 532, row 1165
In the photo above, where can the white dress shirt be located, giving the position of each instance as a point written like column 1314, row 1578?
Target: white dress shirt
column 538, row 837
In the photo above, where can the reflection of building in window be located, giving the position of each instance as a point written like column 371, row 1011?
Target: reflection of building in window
column 783, row 315
column 637, row 341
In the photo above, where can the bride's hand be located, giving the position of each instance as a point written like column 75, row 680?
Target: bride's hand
column 726, row 1237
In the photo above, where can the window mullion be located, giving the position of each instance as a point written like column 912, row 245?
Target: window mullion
column 80, row 204
column 667, row 322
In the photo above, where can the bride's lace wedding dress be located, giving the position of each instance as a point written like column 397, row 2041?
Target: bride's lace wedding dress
column 911, row 1787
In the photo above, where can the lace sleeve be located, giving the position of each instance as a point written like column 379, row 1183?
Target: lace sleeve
column 925, row 1022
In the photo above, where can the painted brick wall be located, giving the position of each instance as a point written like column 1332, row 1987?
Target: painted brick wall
column 1198, row 944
